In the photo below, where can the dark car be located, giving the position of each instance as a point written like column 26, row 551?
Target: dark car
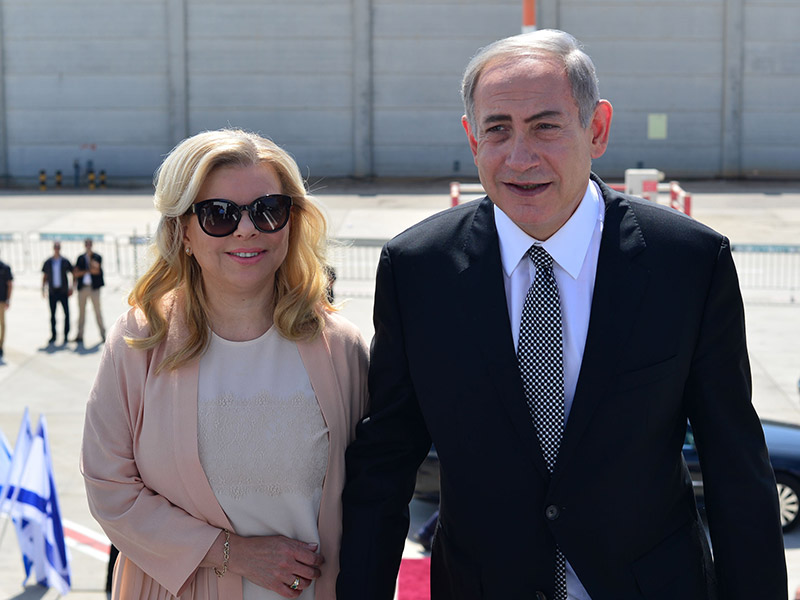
column 427, row 487
column 783, row 442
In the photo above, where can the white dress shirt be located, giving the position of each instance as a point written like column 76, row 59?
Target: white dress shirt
column 574, row 248
column 87, row 277
column 57, row 283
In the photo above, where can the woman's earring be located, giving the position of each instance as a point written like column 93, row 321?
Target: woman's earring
column 188, row 251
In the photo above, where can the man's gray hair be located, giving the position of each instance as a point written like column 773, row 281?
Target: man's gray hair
column 544, row 43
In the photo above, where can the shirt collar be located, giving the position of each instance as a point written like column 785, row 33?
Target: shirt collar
column 568, row 246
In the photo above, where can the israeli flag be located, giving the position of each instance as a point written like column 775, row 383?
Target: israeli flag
column 5, row 460
column 37, row 518
column 9, row 481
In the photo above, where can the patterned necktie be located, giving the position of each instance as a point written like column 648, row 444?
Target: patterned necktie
column 541, row 365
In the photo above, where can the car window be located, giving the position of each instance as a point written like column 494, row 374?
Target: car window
column 689, row 439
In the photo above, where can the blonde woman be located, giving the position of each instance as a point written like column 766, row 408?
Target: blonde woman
column 213, row 449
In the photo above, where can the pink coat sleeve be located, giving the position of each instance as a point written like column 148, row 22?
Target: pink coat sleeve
column 165, row 541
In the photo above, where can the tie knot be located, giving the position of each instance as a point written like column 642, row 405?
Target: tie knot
column 540, row 257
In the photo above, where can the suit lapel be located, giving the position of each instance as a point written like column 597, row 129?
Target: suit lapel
column 619, row 288
column 484, row 310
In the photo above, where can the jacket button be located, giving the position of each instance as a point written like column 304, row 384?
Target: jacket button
column 552, row 512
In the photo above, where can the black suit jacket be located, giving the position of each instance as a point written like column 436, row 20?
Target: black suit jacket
column 666, row 342
column 66, row 271
column 97, row 278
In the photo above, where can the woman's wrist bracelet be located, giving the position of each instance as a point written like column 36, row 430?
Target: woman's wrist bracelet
column 226, row 554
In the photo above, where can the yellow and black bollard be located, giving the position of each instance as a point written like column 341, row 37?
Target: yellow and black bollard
column 58, row 179
column 102, row 180
column 90, row 177
column 42, row 180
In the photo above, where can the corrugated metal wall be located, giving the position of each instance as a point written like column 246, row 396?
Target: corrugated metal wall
column 284, row 69
column 420, row 50
column 84, row 80
column 657, row 58
column 359, row 88
column 724, row 73
column 770, row 126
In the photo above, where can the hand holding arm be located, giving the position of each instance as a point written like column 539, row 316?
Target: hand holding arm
column 272, row 562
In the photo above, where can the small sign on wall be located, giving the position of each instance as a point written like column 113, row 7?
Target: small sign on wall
column 656, row 126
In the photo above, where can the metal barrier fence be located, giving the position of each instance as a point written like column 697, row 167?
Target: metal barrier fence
column 127, row 257
column 123, row 256
column 760, row 267
column 355, row 259
column 355, row 262
column 767, row 266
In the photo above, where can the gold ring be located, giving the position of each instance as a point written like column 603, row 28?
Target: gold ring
column 295, row 583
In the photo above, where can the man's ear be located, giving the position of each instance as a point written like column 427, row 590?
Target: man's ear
column 473, row 143
column 601, row 127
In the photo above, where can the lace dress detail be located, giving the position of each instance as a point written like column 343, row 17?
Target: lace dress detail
column 262, row 440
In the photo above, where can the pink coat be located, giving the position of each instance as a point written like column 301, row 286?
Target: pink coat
column 144, row 481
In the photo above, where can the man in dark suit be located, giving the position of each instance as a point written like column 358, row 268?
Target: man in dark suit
column 88, row 281
column 565, row 481
column 56, row 272
column 6, row 285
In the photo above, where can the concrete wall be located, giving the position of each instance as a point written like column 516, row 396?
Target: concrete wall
column 656, row 58
column 420, row 50
column 84, row 80
column 370, row 87
column 770, row 124
column 284, row 69
column 724, row 72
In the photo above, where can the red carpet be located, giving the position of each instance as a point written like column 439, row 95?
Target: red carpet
column 413, row 582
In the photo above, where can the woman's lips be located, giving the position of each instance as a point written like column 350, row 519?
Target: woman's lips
column 246, row 256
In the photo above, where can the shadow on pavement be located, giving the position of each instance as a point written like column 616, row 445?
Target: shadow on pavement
column 53, row 348
column 79, row 349
column 31, row 592
column 84, row 350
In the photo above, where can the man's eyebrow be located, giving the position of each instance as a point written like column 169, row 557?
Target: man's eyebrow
column 545, row 114
column 501, row 118
column 496, row 119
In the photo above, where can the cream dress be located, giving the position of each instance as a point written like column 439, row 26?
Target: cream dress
column 262, row 440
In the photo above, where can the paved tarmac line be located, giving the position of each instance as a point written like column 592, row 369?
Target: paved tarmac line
column 85, row 540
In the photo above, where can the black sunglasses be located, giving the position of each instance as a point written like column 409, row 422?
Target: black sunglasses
column 219, row 217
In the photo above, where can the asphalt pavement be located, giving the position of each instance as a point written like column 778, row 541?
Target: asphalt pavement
column 55, row 380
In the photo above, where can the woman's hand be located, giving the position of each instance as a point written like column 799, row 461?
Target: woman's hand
column 273, row 562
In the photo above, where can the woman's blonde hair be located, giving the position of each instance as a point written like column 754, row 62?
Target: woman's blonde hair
column 300, row 282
